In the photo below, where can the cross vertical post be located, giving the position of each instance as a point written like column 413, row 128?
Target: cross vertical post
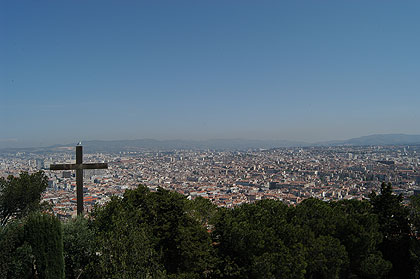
column 79, row 179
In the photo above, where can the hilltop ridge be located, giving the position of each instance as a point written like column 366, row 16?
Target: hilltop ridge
column 224, row 144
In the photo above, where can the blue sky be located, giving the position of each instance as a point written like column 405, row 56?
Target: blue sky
column 296, row 70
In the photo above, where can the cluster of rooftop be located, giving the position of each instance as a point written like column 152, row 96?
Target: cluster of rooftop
column 230, row 178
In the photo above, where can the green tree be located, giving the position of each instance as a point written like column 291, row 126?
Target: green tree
column 394, row 225
column 357, row 228
column 123, row 244
column 316, row 216
column 202, row 210
column 415, row 242
column 320, row 224
column 16, row 257
column 415, row 213
column 79, row 246
column 158, row 222
column 327, row 258
column 21, row 195
column 43, row 233
column 348, row 224
column 30, row 242
column 374, row 266
column 256, row 241
column 127, row 252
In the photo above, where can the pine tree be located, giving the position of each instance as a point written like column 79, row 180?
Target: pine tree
column 44, row 234
column 395, row 228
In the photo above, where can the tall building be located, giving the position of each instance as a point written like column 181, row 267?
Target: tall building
column 39, row 164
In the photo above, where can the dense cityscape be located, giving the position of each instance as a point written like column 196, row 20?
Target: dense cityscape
column 228, row 178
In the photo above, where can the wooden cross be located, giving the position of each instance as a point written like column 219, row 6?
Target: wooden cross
column 79, row 167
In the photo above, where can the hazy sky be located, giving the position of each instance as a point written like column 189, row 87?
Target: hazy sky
column 296, row 70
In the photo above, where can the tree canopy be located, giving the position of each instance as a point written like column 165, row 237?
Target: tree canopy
column 31, row 243
column 162, row 234
column 152, row 233
column 21, row 195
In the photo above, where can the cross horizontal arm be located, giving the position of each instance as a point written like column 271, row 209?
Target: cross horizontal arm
column 95, row 166
column 79, row 166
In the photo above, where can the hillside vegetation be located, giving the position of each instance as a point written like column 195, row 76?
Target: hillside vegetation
column 161, row 234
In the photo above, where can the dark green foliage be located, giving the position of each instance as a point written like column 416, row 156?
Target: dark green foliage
column 349, row 224
column 202, row 210
column 21, row 195
column 123, row 245
column 393, row 216
column 255, row 241
column 415, row 257
column 314, row 240
column 394, row 225
column 357, row 228
column 79, row 246
column 327, row 258
column 374, row 266
column 32, row 247
column 30, row 243
column 127, row 252
column 44, row 235
column 415, row 213
column 16, row 258
column 163, row 235
column 314, row 215
column 156, row 228
column 415, row 242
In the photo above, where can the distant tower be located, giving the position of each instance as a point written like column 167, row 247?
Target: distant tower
column 39, row 164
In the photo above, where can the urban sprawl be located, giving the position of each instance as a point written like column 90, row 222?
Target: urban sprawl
column 228, row 178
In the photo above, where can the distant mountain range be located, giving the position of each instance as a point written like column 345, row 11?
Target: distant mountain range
column 222, row 144
column 379, row 139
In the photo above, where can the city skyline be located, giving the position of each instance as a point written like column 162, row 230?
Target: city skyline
column 228, row 178
column 188, row 70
